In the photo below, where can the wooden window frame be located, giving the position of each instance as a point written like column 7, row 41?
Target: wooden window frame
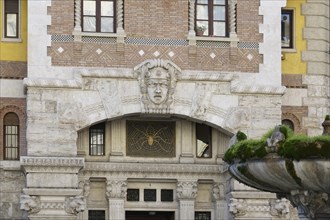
column 5, row 136
column 8, row 11
column 205, row 127
column 98, row 16
column 290, row 13
column 97, row 127
column 211, row 20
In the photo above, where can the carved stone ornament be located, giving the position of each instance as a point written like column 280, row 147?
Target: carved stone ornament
column 116, row 189
column 85, row 186
column 218, row 191
column 157, row 80
column 310, row 202
column 237, row 207
column 31, row 204
column 280, row 207
column 186, row 190
column 74, row 205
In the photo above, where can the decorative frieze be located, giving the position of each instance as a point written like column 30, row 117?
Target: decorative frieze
column 116, row 189
column 52, row 161
column 186, row 190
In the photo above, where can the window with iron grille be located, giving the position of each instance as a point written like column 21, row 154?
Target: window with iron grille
column 11, row 18
column 96, row 214
column 211, row 17
column 96, row 140
column 202, row 215
column 166, row 195
column 11, row 136
column 98, row 16
column 133, row 195
column 150, row 195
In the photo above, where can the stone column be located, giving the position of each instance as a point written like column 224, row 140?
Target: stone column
column 116, row 193
column 220, row 204
column 186, row 194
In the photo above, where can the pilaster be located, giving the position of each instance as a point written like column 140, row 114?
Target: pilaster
column 186, row 194
column 116, row 191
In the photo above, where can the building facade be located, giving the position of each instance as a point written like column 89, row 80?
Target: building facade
column 129, row 108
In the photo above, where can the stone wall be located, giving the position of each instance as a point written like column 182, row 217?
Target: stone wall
column 317, row 79
column 12, row 181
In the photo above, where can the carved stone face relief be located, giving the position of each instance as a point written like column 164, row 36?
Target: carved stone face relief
column 158, row 82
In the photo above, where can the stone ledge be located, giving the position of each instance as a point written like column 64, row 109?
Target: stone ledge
column 51, row 192
column 10, row 165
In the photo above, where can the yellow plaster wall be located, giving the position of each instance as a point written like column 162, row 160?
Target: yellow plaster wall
column 292, row 62
column 14, row 51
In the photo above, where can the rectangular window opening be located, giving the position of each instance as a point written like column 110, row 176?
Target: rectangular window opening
column 203, row 141
column 96, row 140
column 202, row 215
column 96, row 214
column 287, row 30
column 11, row 18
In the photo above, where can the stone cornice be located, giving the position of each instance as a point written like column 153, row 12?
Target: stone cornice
column 52, row 164
column 52, row 83
column 141, row 169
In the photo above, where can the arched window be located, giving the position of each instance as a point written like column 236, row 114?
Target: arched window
column 288, row 123
column 11, row 136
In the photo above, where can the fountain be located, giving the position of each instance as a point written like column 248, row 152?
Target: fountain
column 296, row 167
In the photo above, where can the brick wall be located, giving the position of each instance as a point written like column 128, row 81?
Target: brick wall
column 13, row 70
column 161, row 19
column 18, row 106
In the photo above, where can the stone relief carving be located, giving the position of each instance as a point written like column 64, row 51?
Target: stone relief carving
column 74, row 205
column 31, row 204
column 237, row 207
column 109, row 93
column 116, row 189
column 201, row 100
column 310, row 202
column 280, row 207
column 85, row 186
column 218, row 191
column 72, row 113
column 157, row 80
column 186, row 190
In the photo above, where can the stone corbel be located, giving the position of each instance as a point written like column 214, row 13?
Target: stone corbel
column 74, row 205
column 186, row 190
column 309, row 203
column 116, row 189
column 238, row 207
column 280, row 207
column 31, row 204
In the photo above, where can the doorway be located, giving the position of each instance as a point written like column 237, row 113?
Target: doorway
column 149, row 215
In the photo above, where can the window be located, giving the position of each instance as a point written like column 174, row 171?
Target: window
column 288, row 123
column 211, row 15
column 96, row 140
column 204, row 141
column 133, row 195
column 166, row 195
column 287, row 29
column 96, row 214
column 11, row 19
column 150, row 195
column 150, row 138
column 11, row 136
column 202, row 215
column 98, row 16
